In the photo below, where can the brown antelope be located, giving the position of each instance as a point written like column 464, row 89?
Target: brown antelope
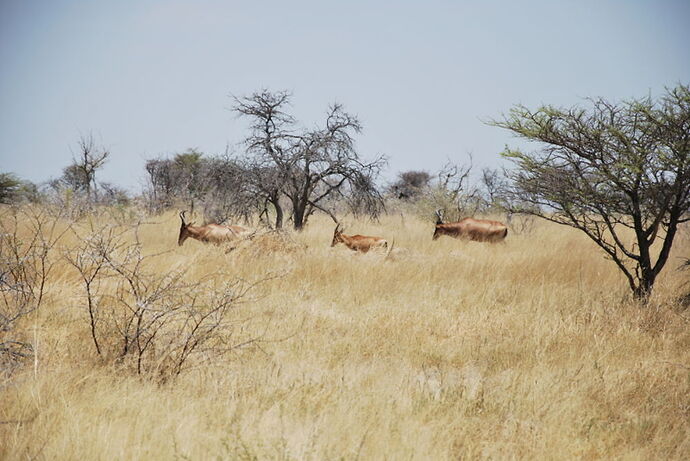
column 361, row 243
column 479, row 230
column 210, row 233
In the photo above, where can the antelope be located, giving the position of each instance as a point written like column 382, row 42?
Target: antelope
column 479, row 230
column 210, row 233
column 361, row 243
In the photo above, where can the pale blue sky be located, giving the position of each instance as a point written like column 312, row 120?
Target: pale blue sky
column 150, row 78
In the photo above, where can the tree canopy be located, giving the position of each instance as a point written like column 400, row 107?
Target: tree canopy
column 307, row 166
column 610, row 170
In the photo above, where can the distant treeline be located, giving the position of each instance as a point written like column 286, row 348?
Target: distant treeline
column 609, row 169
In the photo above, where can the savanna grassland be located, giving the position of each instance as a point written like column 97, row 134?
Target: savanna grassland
column 528, row 349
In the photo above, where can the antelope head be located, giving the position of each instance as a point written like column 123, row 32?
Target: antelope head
column 184, row 229
column 337, row 235
column 439, row 220
column 439, row 216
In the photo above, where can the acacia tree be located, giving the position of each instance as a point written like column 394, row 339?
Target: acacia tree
column 305, row 166
column 610, row 170
column 9, row 184
column 16, row 190
column 410, row 184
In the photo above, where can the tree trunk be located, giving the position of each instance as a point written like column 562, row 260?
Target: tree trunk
column 279, row 213
column 298, row 210
column 646, row 275
column 88, row 190
column 648, row 271
column 644, row 288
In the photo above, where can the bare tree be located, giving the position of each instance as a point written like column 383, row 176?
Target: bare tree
column 160, row 188
column 306, row 166
column 228, row 194
column 220, row 185
column 454, row 178
column 179, row 178
column 453, row 189
column 268, row 146
column 363, row 197
column 494, row 186
column 610, row 170
column 81, row 175
column 265, row 183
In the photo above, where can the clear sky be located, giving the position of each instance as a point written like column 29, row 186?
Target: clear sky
column 151, row 78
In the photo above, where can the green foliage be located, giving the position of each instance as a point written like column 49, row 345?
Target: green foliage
column 9, row 185
column 15, row 190
column 606, row 168
column 191, row 158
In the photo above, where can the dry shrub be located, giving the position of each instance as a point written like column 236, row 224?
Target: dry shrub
column 27, row 238
column 150, row 322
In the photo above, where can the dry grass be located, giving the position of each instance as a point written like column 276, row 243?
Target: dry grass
column 447, row 350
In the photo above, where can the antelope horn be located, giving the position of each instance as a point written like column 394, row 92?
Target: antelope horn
column 439, row 216
column 182, row 216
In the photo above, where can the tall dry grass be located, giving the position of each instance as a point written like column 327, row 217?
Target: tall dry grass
column 448, row 349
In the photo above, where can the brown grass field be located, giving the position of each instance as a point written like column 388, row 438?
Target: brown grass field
column 529, row 349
